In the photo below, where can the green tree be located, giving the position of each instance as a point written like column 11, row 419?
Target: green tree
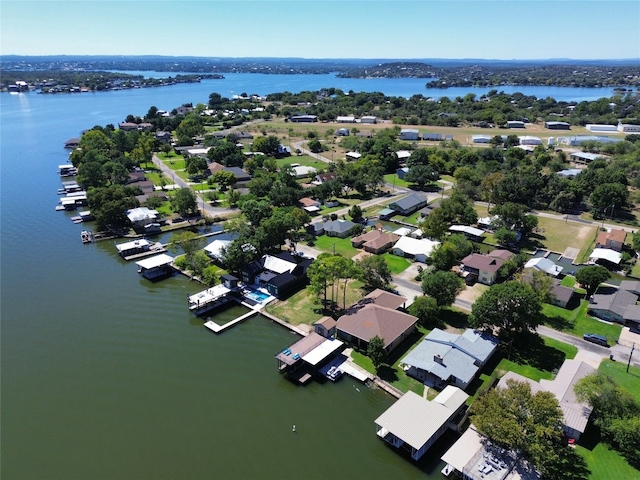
column 209, row 276
column 110, row 204
column 505, row 236
column 512, row 307
column 184, row 202
column 355, row 213
column 515, row 419
column 189, row 243
column 376, row 352
column 267, row 145
column 442, row 286
column 422, row 175
column 607, row 197
column 232, row 197
column 540, row 282
column 375, row 272
column 426, row 310
column 194, row 164
column 592, row 276
column 315, row 146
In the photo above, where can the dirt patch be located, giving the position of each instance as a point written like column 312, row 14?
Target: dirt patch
column 583, row 233
column 571, row 252
column 471, row 293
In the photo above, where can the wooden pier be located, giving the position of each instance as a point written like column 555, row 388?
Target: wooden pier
column 215, row 328
column 293, row 328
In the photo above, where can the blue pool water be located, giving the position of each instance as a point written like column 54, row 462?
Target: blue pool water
column 257, row 296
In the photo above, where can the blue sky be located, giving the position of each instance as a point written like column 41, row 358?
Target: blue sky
column 507, row 29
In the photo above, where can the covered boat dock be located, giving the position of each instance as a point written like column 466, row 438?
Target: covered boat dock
column 208, row 299
column 156, row 267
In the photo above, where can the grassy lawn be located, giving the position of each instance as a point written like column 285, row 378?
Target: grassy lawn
column 635, row 270
column 341, row 246
column 535, row 357
column 606, row 464
column 302, row 307
column 413, row 219
column 392, row 179
column 155, row 176
column 577, row 322
column 396, row 264
column 618, row 371
column 390, row 370
column 558, row 235
column 570, row 281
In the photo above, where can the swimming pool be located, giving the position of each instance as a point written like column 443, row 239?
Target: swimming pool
column 257, row 296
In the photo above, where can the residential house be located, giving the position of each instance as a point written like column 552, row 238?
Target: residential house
column 444, row 358
column 409, row 204
column 281, row 273
column 417, row 249
column 583, row 158
column 346, row 119
column 403, row 155
column 325, row 177
column 575, row 413
column 560, row 295
column 310, row 205
column 409, row 134
column 242, row 177
column 215, row 250
column 375, row 241
column 338, row 228
column 141, row 216
column 617, row 305
column 544, row 265
column 613, row 239
column 415, row 423
column 368, row 119
column 474, row 234
column 605, row 256
column 215, row 167
column 385, row 299
column 426, row 211
column 352, row 155
column 386, row 213
column 570, row 173
column 301, row 171
column 481, row 268
column 163, row 137
column 367, row 320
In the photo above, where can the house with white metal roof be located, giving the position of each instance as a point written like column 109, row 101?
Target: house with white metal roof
column 414, row 423
column 446, row 358
column 470, row 232
column 410, row 247
column 544, row 265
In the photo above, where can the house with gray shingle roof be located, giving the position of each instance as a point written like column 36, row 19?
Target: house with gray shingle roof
column 338, row 228
column 617, row 305
column 447, row 358
column 409, row 204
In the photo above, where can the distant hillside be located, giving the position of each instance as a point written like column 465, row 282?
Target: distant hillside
column 394, row 70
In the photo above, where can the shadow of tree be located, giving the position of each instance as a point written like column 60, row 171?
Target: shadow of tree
column 569, row 466
column 454, row 318
column 532, row 351
column 387, row 373
column 559, row 323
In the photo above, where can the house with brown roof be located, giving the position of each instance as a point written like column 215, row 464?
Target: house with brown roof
column 215, row 167
column 385, row 299
column 481, row 268
column 325, row 177
column 375, row 241
column 363, row 323
column 613, row 239
column 310, row 205
column 326, row 327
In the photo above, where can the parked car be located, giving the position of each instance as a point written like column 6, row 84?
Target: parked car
column 599, row 339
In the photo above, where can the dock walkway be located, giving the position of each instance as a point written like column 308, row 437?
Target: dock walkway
column 214, row 327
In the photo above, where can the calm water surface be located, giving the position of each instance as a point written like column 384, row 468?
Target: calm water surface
column 106, row 375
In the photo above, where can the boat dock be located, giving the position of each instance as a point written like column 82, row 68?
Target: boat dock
column 208, row 299
column 215, row 328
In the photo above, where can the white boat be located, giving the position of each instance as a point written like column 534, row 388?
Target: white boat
column 86, row 236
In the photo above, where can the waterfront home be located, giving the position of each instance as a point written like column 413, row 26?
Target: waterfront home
column 385, row 299
column 575, row 413
column 416, row 249
column 281, row 273
column 409, row 204
column 215, row 250
column 414, row 423
column 375, row 241
column 72, row 143
column 613, row 239
column 156, row 267
column 444, row 358
column 605, row 256
column 365, row 321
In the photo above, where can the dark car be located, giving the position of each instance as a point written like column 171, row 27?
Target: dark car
column 599, row 339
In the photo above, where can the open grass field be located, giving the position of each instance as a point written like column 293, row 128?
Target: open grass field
column 336, row 245
column 604, row 463
column 577, row 322
column 304, row 160
column 557, row 235
column 392, row 179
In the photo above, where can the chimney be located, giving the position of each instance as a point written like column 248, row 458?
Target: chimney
column 438, row 359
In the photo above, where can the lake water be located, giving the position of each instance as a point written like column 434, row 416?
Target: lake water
column 106, row 375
